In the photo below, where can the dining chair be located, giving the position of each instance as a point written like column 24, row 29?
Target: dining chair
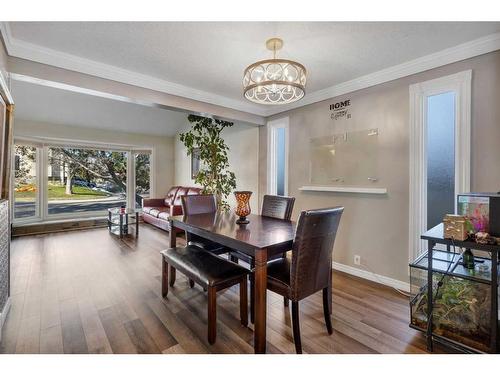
column 277, row 207
column 310, row 269
column 195, row 205
column 201, row 204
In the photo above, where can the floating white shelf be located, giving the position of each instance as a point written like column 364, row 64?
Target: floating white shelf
column 345, row 189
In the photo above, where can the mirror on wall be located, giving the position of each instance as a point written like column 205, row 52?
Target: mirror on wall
column 346, row 159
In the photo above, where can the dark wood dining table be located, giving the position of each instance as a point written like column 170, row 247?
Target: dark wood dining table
column 261, row 239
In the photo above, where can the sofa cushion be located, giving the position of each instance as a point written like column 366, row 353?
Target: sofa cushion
column 155, row 211
column 171, row 195
column 164, row 215
column 180, row 192
column 147, row 210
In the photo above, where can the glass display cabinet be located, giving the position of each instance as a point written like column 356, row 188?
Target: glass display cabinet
column 452, row 304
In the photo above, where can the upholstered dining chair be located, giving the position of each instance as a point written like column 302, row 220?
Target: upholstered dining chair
column 194, row 205
column 201, row 204
column 277, row 207
column 310, row 269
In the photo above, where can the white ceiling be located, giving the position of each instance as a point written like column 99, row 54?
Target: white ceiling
column 209, row 57
column 46, row 104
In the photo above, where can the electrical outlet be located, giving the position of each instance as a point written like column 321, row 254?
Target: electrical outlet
column 357, row 260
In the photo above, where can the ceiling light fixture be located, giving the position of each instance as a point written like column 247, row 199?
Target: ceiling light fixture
column 274, row 81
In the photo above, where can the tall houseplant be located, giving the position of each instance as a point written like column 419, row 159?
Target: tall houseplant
column 214, row 175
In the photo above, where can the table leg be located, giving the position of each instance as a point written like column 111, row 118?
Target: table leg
column 172, row 237
column 136, row 224
column 260, row 281
column 494, row 302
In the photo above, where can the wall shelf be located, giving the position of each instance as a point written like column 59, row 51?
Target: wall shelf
column 345, row 189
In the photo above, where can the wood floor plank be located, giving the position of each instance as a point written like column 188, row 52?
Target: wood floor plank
column 51, row 341
column 140, row 337
column 176, row 349
column 28, row 341
column 73, row 336
column 88, row 292
column 116, row 333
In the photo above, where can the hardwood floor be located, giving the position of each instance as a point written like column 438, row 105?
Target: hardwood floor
column 88, row 292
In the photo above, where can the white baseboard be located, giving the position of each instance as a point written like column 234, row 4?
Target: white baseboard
column 3, row 316
column 401, row 285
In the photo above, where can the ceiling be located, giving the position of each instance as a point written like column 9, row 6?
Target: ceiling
column 46, row 104
column 207, row 59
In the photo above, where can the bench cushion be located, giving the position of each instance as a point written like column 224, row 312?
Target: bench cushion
column 202, row 266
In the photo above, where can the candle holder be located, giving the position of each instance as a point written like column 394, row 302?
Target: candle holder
column 242, row 206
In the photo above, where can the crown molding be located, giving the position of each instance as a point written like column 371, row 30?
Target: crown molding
column 43, row 55
column 447, row 56
column 29, row 51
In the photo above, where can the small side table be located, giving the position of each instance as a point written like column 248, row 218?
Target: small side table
column 119, row 220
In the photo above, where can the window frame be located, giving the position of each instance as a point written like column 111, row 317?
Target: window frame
column 43, row 145
column 460, row 84
column 38, row 198
column 272, row 176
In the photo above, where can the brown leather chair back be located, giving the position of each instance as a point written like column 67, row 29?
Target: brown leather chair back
column 312, row 251
column 277, row 206
column 198, row 204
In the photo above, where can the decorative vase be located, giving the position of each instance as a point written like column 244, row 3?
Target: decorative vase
column 242, row 206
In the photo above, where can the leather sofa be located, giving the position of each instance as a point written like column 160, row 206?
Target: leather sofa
column 156, row 211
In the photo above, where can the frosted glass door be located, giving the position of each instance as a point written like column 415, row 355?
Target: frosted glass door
column 440, row 114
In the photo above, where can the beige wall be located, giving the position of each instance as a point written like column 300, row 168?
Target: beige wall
column 243, row 142
column 376, row 227
column 163, row 146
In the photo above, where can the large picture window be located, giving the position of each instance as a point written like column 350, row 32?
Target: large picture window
column 56, row 182
column 81, row 180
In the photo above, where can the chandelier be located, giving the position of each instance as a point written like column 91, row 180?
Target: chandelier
column 274, row 81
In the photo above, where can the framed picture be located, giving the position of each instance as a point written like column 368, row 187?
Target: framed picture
column 195, row 163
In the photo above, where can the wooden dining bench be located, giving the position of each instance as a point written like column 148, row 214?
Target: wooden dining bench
column 213, row 273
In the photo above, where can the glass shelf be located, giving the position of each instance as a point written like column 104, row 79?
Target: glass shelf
column 444, row 260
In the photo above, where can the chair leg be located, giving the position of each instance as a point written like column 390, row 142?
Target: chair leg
column 296, row 327
column 286, row 302
column 191, row 283
column 172, row 276
column 330, row 302
column 212, row 314
column 233, row 259
column 252, row 299
column 326, row 309
column 243, row 302
column 164, row 277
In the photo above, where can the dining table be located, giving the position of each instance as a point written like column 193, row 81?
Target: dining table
column 261, row 238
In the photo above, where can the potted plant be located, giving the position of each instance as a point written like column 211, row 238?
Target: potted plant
column 214, row 175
